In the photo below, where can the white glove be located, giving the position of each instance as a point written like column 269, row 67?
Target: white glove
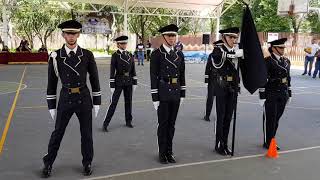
column 261, row 102
column 181, row 101
column 112, row 90
column 96, row 110
column 134, row 87
column 156, row 105
column 53, row 113
column 289, row 100
column 239, row 53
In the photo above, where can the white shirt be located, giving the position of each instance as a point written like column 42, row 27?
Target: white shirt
column 229, row 49
column 68, row 50
column 314, row 48
column 168, row 49
column 121, row 50
column 277, row 56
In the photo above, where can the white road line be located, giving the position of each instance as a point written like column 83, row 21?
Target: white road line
column 24, row 87
column 200, row 163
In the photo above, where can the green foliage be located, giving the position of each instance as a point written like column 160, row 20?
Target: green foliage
column 266, row 18
column 32, row 19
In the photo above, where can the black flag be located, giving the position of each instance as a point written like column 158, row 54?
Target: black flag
column 253, row 68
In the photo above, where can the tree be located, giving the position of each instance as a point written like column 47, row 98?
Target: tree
column 266, row 18
column 33, row 19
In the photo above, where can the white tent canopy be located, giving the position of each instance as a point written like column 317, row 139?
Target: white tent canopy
column 168, row 4
column 177, row 8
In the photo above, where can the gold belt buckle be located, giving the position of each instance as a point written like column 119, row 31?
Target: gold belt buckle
column 75, row 90
column 126, row 74
column 174, row 80
column 284, row 80
column 229, row 78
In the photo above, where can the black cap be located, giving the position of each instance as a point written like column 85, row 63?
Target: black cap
column 279, row 42
column 121, row 39
column 218, row 42
column 71, row 26
column 169, row 29
column 233, row 31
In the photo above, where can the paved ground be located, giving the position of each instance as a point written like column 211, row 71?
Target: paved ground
column 126, row 150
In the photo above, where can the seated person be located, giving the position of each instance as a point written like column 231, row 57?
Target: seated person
column 24, row 42
column 5, row 49
column 23, row 49
column 43, row 49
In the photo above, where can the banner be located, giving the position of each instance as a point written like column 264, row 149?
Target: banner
column 95, row 23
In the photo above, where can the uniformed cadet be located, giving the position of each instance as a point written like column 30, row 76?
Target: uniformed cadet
column 71, row 64
column 168, row 89
column 122, row 78
column 224, row 60
column 210, row 78
column 277, row 92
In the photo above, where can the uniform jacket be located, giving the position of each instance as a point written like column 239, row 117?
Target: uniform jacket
column 122, row 69
column 279, row 79
column 164, row 69
column 72, row 72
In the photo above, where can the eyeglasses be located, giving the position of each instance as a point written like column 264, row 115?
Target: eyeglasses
column 122, row 43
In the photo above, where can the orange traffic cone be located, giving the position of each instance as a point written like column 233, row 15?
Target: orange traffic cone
column 272, row 151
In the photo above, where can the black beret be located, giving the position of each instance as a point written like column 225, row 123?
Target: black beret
column 230, row 31
column 70, row 26
column 169, row 29
column 279, row 42
column 121, row 39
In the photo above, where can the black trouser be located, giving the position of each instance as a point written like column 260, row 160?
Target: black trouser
column 127, row 92
column 225, row 107
column 210, row 99
column 274, row 108
column 167, row 115
column 148, row 55
column 63, row 116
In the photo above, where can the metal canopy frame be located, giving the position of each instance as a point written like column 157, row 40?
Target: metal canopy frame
column 179, row 9
column 143, row 7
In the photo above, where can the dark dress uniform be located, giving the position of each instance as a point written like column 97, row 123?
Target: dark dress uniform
column 225, row 88
column 122, row 77
column 276, row 92
column 167, row 74
column 210, row 78
column 72, row 70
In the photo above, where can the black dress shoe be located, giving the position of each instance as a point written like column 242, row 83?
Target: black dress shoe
column 87, row 170
column 129, row 125
column 105, row 128
column 303, row 74
column 266, row 146
column 171, row 158
column 220, row 149
column 46, row 171
column 227, row 150
column 163, row 159
column 206, row 118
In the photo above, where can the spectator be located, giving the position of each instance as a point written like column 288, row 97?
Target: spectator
column 24, row 42
column 5, row 49
column 140, row 52
column 148, row 50
column 317, row 65
column 311, row 51
column 23, row 49
column 43, row 49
